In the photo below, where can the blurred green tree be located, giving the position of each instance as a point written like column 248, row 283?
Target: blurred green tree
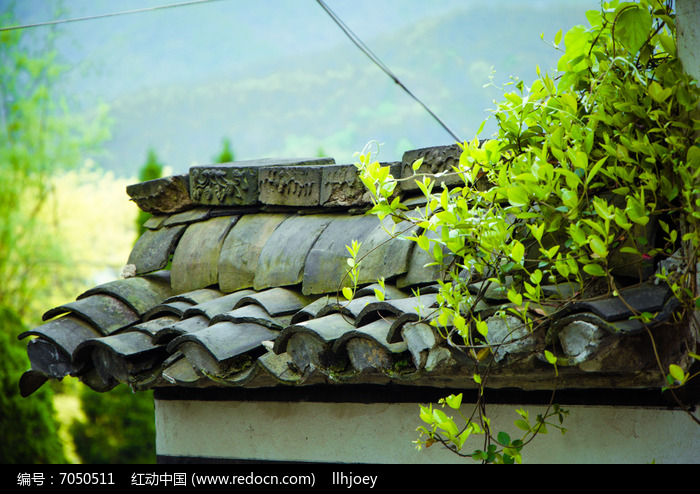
column 226, row 155
column 38, row 136
column 119, row 427
column 28, row 428
column 151, row 170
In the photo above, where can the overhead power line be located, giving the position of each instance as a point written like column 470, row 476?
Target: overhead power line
column 365, row 49
column 100, row 16
column 348, row 32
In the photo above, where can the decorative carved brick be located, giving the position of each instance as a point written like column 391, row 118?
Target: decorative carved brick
column 435, row 160
column 290, row 185
column 237, row 183
column 341, row 186
column 224, row 185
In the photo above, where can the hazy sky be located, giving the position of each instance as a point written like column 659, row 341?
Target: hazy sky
column 182, row 50
column 241, row 29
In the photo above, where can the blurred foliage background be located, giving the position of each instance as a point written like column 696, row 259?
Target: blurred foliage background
column 65, row 221
column 66, row 225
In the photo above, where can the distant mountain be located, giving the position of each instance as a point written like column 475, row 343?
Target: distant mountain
column 279, row 79
column 338, row 100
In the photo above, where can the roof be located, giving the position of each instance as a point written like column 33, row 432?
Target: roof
column 235, row 283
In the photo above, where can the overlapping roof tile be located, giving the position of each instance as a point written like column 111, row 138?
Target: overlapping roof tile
column 257, row 255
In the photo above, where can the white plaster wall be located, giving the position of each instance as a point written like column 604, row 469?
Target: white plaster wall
column 382, row 433
column 688, row 35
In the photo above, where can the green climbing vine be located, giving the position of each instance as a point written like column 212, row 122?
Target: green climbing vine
column 586, row 163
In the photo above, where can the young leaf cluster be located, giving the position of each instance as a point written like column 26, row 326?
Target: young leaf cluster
column 586, row 165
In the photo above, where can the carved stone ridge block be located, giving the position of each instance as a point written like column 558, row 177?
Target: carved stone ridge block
column 290, row 185
column 341, row 186
column 236, row 183
column 163, row 195
column 435, row 160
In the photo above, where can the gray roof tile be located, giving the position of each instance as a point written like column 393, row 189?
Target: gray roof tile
column 122, row 357
column 196, row 258
column 385, row 256
column 238, row 183
column 325, row 266
column 242, row 247
column 252, row 300
column 153, row 249
column 140, row 293
column 283, row 258
column 224, row 347
column 103, row 312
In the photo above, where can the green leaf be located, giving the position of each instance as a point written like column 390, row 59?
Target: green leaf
column 379, row 294
column 445, row 423
column 347, row 292
column 596, row 168
column 578, row 235
column 515, row 297
column 426, row 414
column 459, row 323
column 483, row 328
column 636, row 211
column 522, row 425
column 658, row 93
column 423, row 242
column 454, row 401
column 594, row 269
column 517, row 252
column 550, row 357
column 462, row 438
column 632, row 26
column 677, row 373
column 503, row 438
column 621, row 220
column 517, row 196
column 597, row 245
column 479, row 455
column 603, row 209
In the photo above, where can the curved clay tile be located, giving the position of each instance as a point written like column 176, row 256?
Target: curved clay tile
column 174, row 308
column 103, row 312
column 240, row 251
column 216, row 305
column 141, row 293
column 222, row 348
column 384, row 255
column 123, row 357
column 326, row 265
column 411, row 308
column 283, row 258
column 154, row 248
column 253, row 314
column 51, row 353
column 196, row 258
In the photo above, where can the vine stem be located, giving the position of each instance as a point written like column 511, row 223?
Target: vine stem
column 658, row 358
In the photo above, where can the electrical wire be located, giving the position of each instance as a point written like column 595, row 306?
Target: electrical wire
column 365, row 49
column 348, row 32
column 101, row 16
